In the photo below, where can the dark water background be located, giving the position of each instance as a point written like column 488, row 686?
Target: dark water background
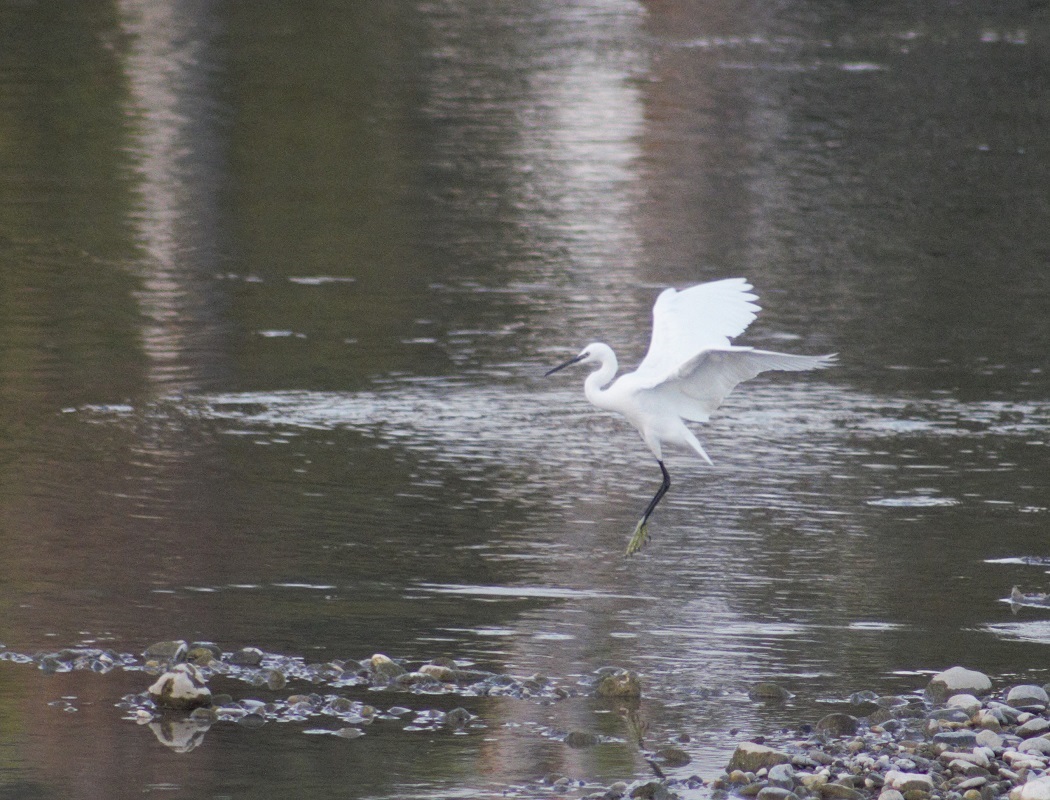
column 278, row 282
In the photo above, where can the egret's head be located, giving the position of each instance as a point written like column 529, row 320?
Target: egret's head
column 594, row 353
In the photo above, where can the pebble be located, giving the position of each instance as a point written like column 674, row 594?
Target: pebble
column 838, row 724
column 838, row 791
column 969, row 704
column 1036, row 744
column 905, row 782
column 1033, row 727
column 890, row 794
column 782, row 775
column 1028, row 697
column 987, row 720
column 957, row 747
column 989, row 738
column 956, row 740
column 775, row 793
column 1038, row 789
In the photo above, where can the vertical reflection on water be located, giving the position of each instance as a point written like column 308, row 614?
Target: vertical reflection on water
column 537, row 118
column 175, row 156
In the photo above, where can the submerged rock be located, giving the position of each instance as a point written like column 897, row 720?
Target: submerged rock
column 672, row 757
column 384, row 669
column 581, row 739
column 458, row 718
column 181, row 689
column 622, row 683
column 171, row 652
column 203, row 653
column 768, row 692
column 439, row 672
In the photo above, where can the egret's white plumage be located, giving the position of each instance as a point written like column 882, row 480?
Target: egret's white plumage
column 687, row 372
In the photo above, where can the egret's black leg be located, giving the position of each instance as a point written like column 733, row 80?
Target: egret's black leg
column 641, row 530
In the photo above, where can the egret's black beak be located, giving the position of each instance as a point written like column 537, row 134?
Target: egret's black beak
column 568, row 363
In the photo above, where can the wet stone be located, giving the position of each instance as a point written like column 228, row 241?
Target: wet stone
column 1038, row 745
column 988, row 738
column 1038, row 789
column 671, row 757
column 246, row 657
column 203, row 653
column 623, row 683
column 775, row 793
column 169, row 651
column 966, row 703
column 1033, row 727
column 838, row 724
column 580, row 739
column 181, row 689
column 275, row 680
column 768, row 692
column 1028, row 697
column 905, row 782
column 438, row 672
column 458, row 718
column 781, row 775
column 838, row 791
column 948, row 715
column 958, row 680
column 986, row 720
column 653, row 790
column 751, row 757
column 956, row 740
column 890, row 794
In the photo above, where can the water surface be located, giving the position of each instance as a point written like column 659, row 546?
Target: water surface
column 278, row 292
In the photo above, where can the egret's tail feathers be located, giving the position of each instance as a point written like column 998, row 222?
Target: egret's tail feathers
column 699, row 448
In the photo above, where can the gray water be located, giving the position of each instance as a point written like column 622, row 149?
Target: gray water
column 278, row 285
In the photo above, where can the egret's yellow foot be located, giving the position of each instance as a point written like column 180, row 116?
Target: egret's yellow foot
column 638, row 538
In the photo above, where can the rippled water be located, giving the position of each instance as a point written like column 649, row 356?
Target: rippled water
column 278, row 292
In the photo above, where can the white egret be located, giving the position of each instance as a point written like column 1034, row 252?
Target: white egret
column 686, row 374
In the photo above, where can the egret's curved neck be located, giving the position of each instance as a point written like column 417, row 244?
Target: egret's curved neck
column 592, row 387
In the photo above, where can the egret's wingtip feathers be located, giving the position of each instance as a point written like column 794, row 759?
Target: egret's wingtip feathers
column 830, row 360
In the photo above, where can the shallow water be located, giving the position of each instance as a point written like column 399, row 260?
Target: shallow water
column 278, row 291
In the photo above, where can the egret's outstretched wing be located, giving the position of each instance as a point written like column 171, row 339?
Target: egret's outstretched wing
column 700, row 385
column 694, row 319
